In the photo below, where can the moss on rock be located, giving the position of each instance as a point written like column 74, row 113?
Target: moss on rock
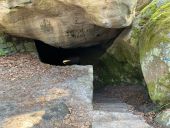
column 120, row 63
column 154, row 47
column 6, row 47
column 11, row 45
column 145, row 45
column 112, row 72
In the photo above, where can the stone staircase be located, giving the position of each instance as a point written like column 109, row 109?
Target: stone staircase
column 113, row 113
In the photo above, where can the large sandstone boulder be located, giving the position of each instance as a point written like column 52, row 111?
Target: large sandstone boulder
column 154, row 47
column 66, row 23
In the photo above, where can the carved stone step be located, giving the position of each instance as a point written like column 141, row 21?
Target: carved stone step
column 112, row 107
column 103, row 116
column 121, row 124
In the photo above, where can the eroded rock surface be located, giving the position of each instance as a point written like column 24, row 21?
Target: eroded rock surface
column 66, row 23
column 120, row 62
column 154, row 47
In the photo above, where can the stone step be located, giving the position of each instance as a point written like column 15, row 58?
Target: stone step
column 112, row 107
column 121, row 124
column 101, row 99
column 116, row 116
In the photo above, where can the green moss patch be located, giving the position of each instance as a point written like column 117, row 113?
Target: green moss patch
column 154, row 49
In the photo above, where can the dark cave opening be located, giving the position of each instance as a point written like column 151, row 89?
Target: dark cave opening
column 63, row 56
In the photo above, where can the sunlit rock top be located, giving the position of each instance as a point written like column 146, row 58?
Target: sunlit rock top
column 66, row 23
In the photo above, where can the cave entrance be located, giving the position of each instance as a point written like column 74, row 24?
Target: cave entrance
column 116, row 98
column 63, row 56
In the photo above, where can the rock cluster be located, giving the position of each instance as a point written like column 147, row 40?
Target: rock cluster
column 142, row 49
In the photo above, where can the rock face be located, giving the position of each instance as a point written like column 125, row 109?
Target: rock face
column 154, row 47
column 120, row 63
column 146, row 44
column 66, row 23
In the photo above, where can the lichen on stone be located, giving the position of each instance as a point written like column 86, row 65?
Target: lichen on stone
column 154, row 49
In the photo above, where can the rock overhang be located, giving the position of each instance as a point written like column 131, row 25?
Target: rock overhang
column 64, row 23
